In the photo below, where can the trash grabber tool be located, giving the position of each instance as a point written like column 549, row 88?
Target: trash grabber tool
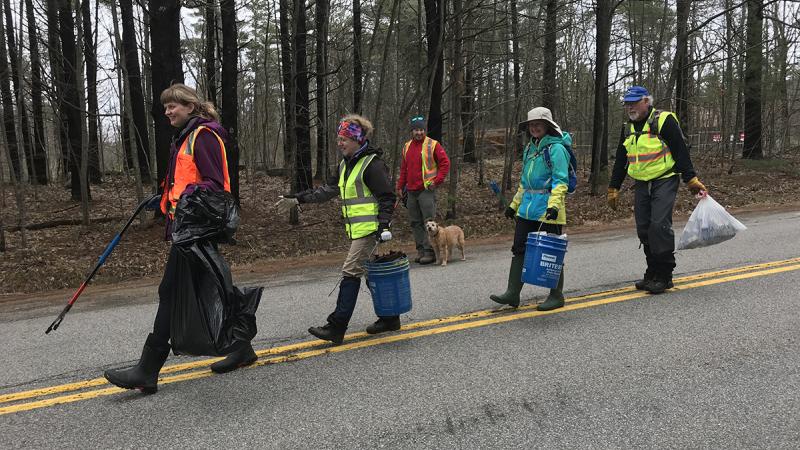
column 100, row 262
column 496, row 189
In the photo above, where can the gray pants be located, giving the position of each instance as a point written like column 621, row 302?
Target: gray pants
column 653, row 204
column 421, row 207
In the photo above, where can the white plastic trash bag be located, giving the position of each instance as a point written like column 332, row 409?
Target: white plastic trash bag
column 709, row 224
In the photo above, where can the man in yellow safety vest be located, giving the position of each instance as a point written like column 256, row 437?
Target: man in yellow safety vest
column 653, row 151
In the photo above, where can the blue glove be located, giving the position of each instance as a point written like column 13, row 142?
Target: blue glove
column 154, row 203
column 551, row 213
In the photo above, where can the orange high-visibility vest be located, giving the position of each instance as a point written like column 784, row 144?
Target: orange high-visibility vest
column 429, row 167
column 186, row 172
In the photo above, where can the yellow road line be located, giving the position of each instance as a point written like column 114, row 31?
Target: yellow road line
column 397, row 338
column 353, row 336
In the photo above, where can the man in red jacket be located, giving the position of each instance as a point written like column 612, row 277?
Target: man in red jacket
column 424, row 168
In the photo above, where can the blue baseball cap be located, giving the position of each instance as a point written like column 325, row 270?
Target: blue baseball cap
column 635, row 93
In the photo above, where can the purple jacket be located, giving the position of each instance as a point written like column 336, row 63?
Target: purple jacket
column 207, row 158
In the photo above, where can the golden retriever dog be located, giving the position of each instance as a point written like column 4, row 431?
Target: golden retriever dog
column 444, row 239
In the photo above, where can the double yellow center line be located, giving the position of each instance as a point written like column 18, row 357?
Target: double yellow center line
column 99, row 387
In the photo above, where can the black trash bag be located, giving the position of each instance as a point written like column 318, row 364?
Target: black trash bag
column 210, row 316
column 205, row 215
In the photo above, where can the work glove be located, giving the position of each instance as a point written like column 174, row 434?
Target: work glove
column 613, row 197
column 510, row 212
column 154, row 203
column 695, row 186
column 383, row 234
column 287, row 202
column 551, row 213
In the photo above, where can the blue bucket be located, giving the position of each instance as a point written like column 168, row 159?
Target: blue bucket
column 544, row 259
column 390, row 286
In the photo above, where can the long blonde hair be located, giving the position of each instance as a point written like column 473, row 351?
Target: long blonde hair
column 183, row 94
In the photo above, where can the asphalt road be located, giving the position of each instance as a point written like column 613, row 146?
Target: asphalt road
column 712, row 363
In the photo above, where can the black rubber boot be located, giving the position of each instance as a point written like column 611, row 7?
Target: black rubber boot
column 659, row 284
column 642, row 284
column 384, row 324
column 428, row 257
column 329, row 332
column 511, row 295
column 144, row 375
column 245, row 356
column 556, row 298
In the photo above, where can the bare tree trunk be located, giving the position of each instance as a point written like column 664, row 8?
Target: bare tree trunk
column 16, row 79
column 19, row 86
column 321, row 56
column 599, row 175
column 80, row 88
column 124, row 134
column 434, row 28
column 655, row 79
column 727, row 81
column 135, row 87
column 230, row 89
column 752, row 81
column 56, row 73
column 19, row 194
column 456, row 149
column 147, row 81
column 40, row 174
column 209, row 51
column 166, row 69
column 91, row 94
column 287, row 66
column 304, row 179
column 385, row 58
column 9, row 118
column 680, row 66
column 357, row 64
column 127, row 132
column 549, row 87
column 71, row 103
column 781, row 61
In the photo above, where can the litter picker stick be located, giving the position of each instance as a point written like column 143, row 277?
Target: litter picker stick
column 496, row 189
column 100, row 262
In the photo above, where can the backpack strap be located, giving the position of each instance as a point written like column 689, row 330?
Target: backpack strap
column 654, row 123
column 547, row 160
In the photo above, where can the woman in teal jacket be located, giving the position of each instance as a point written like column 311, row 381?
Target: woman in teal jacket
column 539, row 202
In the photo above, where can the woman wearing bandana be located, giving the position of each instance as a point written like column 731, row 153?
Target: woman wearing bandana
column 362, row 181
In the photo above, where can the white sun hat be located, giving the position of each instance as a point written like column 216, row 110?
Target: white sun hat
column 540, row 113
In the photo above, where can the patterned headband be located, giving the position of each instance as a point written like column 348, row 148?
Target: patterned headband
column 352, row 131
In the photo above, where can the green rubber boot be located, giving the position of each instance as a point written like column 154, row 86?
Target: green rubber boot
column 511, row 295
column 556, row 298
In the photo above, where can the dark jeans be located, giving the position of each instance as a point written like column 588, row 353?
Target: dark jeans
column 524, row 227
column 653, row 204
column 346, row 302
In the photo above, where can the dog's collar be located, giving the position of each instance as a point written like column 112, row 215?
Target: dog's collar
column 437, row 231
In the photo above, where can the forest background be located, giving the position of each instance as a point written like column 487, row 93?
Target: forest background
column 83, row 137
